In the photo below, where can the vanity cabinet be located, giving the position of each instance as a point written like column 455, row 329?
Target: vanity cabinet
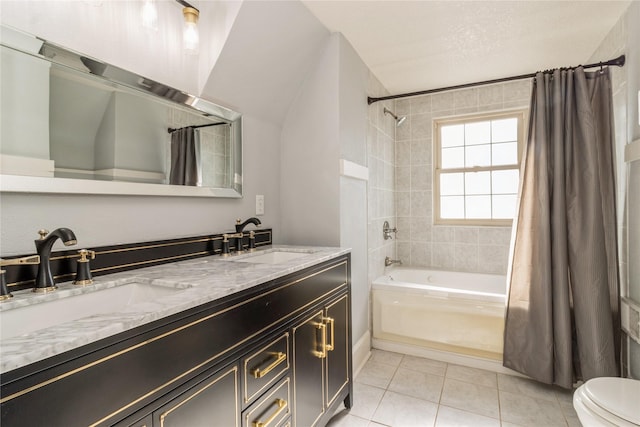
column 274, row 355
column 321, row 361
column 212, row 400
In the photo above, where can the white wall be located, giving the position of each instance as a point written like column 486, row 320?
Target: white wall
column 105, row 138
column 309, row 180
column 352, row 87
column 327, row 123
column 141, row 134
column 271, row 48
column 23, row 78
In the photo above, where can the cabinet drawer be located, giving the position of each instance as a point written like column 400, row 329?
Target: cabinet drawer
column 270, row 410
column 262, row 367
column 210, row 401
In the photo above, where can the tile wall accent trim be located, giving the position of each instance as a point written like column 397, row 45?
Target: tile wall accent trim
column 353, row 170
column 130, row 256
column 632, row 151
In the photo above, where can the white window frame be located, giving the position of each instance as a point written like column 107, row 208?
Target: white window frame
column 519, row 114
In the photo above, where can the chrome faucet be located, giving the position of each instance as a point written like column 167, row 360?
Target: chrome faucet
column 387, row 230
column 240, row 226
column 44, row 279
column 388, row 261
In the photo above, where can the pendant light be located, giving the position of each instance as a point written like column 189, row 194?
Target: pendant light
column 190, row 35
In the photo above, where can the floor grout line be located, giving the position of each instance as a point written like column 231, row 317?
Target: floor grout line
column 394, row 369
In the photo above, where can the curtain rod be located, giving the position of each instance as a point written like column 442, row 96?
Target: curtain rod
column 618, row 62
column 196, row 127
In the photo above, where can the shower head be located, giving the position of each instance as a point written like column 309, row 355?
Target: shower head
column 399, row 120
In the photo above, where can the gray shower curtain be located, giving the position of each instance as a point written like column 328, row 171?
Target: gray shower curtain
column 562, row 320
column 184, row 162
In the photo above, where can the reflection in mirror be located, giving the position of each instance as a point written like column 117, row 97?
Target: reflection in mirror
column 66, row 117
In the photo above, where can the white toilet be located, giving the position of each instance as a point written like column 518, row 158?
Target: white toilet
column 608, row 402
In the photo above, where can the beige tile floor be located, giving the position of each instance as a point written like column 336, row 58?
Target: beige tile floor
column 405, row 391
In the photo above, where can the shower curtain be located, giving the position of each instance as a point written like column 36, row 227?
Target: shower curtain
column 562, row 320
column 184, row 157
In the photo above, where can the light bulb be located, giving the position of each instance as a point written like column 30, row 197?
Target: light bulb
column 150, row 15
column 191, row 36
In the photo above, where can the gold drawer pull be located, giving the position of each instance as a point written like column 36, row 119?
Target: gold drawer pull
column 282, row 405
column 331, row 322
column 280, row 357
column 323, row 332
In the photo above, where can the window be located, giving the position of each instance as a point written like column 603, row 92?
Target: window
column 477, row 162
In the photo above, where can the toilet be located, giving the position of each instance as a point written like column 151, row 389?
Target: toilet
column 608, row 402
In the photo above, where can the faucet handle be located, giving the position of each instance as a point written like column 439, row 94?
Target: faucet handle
column 43, row 233
column 33, row 259
column 86, row 255
column 238, row 221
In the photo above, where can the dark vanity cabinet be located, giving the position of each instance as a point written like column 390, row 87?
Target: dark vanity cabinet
column 212, row 400
column 321, row 356
column 276, row 355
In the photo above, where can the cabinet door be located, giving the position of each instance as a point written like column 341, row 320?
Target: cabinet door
column 213, row 401
column 309, row 352
column 338, row 351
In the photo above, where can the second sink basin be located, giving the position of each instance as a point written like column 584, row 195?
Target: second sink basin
column 22, row 320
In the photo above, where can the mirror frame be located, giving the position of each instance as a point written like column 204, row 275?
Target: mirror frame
column 33, row 45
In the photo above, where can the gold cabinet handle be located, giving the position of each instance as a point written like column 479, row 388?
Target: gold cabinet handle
column 279, row 358
column 323, row 332
column 331, row 322
column 282, row 405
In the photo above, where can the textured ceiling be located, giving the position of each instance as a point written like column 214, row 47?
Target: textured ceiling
column 418, row 45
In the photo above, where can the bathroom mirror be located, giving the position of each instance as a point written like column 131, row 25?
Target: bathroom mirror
column 74, row 124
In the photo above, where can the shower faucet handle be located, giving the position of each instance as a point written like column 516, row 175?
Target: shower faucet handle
column 387, row 230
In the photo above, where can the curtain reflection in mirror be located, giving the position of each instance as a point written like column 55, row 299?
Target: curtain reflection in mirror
column 184, row 157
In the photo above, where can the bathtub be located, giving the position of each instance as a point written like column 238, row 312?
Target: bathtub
column 461, row 313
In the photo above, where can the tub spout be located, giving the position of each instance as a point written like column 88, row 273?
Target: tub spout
column 388, row 261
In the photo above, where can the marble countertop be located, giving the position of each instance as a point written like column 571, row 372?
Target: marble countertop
column 195, row 282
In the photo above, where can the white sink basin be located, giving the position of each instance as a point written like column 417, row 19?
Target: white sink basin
column 274, row 257
column 23, row 320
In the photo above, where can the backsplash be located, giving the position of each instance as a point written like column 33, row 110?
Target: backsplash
column 131, row 256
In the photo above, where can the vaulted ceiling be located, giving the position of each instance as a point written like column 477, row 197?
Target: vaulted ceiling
column 417, row 45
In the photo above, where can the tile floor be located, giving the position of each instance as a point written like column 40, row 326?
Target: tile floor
column 405, row 391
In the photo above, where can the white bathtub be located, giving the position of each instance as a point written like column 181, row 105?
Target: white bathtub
column 462, row 313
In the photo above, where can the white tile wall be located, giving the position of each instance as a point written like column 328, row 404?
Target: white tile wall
column 381, row 159
column 420, row 243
